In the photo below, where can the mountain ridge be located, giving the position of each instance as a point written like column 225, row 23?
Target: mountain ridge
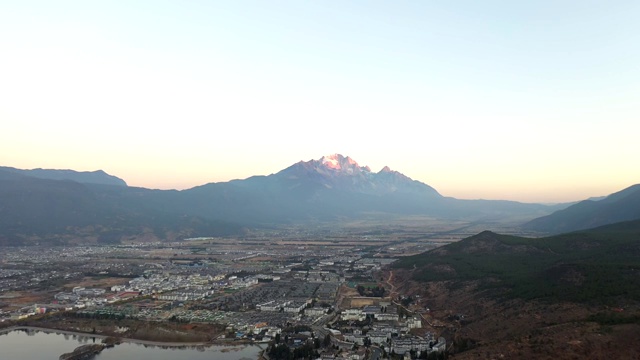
column 533, row 268
column 56, row 212
column 85, row 177
column 332, row 188
column 623, row 205
column 341, row 171
column 528, row 298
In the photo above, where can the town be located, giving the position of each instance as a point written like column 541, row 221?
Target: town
column 312, row 299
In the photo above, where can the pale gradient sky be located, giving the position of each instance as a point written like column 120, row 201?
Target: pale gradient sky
column 532, row 101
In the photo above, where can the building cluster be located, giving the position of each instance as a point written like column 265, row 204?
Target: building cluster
column 294, row 299
column 185, row 295
column 383, row 326
column 162, row 282
column 82, row 296
column 162, row 285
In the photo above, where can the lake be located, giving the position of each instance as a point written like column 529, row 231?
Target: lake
column 45, row 345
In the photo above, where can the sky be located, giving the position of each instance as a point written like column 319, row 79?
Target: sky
column 531, row 101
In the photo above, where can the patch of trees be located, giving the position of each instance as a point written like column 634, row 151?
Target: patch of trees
column 463, row 344
column 284, row 352
column 406, row 300
column 109, row 274
column 592, row 266
column 327, row 340
column 110, row 238
column 97, row 315
column 366, row 342
column 614, row 318
column 433, row 355
column 403, row 312
column 297, row 329
column 241, row 274
column 377, row 291
column 305, row 351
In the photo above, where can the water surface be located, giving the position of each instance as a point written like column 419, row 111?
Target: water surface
column 41, row 345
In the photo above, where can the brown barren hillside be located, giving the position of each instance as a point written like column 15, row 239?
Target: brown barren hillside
column 571, row 296
column 483, row 327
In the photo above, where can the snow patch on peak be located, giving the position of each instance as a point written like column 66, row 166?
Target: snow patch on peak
column 335, row 156
column 331, row 161
column 341, row 163
column 338, row 162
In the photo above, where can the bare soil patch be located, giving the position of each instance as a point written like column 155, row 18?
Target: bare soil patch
column 99, row 282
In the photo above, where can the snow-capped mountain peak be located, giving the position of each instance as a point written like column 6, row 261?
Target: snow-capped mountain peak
column 339, row 162
column 336, row 171
column 331, row 161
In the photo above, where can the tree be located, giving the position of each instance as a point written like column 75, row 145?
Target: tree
column 279, row 352
column 327, row 340
column 366, row 342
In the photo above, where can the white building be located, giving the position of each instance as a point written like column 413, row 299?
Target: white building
column 401, row 346
column 353, row 314
column 355, row 338
column 243, row 283
column 295, row 307
column 414, row 323
column 441, row 345
column 316, row 311
column 272, row 306
column 386, row 317
column 378, row 337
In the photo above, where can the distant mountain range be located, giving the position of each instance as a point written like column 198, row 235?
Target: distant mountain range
column 34, row 210
column 88, row 177
column 335, row 187
column 61, row 205
column 621, row 206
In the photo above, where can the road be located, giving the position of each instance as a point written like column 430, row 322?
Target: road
column 390, row 283
column 376, row 353
column 318, row 326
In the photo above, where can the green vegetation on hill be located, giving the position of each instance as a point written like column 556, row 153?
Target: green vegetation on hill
column 601, row 264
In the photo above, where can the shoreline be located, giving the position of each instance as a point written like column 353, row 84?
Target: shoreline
column 127, row 340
